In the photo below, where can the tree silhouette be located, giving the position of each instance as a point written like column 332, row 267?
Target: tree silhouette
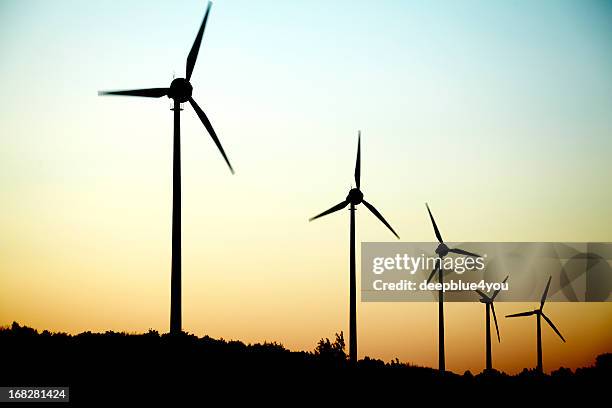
column 331, row 353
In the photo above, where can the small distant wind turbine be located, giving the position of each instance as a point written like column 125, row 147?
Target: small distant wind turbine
column 540, row 313
column 179, row 91
column 354, row 198
column 488, row 301
column 442, row 250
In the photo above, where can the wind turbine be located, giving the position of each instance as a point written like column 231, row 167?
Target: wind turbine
column 180, row 91
column 442, row 250
column 488, row 301
column 539, row 314
column 354, row 198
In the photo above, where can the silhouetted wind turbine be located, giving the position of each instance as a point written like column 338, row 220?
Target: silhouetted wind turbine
column 442, row 250
column 488, row 301
column 180, row 91
column 354, row 198
column 540, row 313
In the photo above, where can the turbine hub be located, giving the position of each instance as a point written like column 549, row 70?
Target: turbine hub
column 354, row 196
column 180, row 90
column 442, row 250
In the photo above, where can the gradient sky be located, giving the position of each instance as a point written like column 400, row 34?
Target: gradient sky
column 497, row 113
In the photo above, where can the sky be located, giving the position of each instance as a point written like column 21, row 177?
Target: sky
column 496, row 113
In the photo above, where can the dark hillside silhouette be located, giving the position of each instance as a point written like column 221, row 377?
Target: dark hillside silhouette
column 134, row 364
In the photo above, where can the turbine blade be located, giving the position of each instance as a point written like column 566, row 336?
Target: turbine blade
column 553, row 326
column 331, row 210
column 495, row 320
column 482, row 295
column 148, row 92
column 358, row 162
column 195, row 48
column 462, row 252
column 210, row 129
column 522, row 314
column 379, row 216
column 499, row 290
column 545, row 294
column 435, row 269
column 436, row 230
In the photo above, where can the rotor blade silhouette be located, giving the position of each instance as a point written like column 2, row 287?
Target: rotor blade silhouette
column 462, row 252
column 553, row 326
column 195, row 48
column 358, row 162
column 545, row 294
column 147, row 92
column 331, row 210
column 499, row 290
column 210, row 129
column 482, row 295
column 436, row 230
column 522, row 314
column 495, row 320
column 379, row 216
column 435, row 269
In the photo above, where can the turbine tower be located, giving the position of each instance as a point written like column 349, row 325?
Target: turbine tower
column 442, row 250
column 488, row 301
column 540, row 314
column 354, row 198
column 180, row 91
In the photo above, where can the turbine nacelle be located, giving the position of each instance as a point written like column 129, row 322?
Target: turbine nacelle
column 442, row 250
column 355, row 196
column 180, row 90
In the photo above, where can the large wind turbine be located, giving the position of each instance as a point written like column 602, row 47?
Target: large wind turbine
column 180, row 91
column 442, row 250
column 539, row 314
column 354, row 198
column 488, row 301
